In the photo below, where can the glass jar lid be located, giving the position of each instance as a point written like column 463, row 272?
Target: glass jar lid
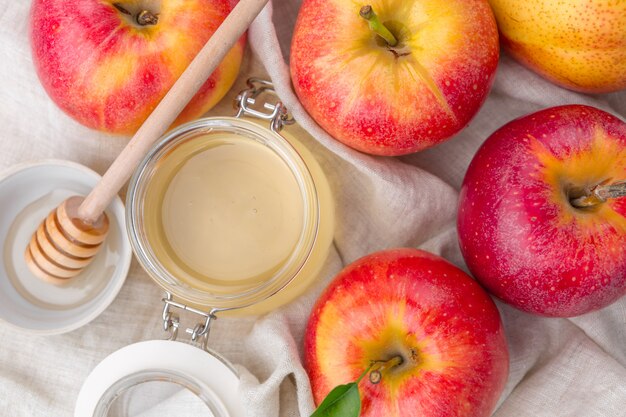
column 160, row 377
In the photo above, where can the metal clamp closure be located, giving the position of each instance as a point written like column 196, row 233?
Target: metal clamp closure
column 254, row 102
column 171, row 321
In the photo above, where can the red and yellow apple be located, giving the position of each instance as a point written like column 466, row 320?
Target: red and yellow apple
column 522, row 230
column 413, row 305
column 394, row 100
column 577, row 44
column 108, row 64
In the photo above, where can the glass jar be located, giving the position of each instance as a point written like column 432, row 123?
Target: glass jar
column 187, row 185
column 229, row 216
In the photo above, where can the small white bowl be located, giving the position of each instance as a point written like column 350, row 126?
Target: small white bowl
column 28, row 192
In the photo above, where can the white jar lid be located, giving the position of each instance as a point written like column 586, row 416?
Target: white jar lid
column 197, row 383
column 28, row 193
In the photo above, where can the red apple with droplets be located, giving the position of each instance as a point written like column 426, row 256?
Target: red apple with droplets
column 437, row 330
column 542, row 217
column 393, row 95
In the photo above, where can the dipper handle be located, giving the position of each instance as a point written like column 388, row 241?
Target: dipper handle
column 170, row 106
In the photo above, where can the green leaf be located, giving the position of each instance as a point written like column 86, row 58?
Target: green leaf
column 342, row 401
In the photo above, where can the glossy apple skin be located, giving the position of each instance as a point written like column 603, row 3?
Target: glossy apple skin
column 109, row 74
column 518, row 233
column 369, row 99
column 412, row 303
column 577, row 44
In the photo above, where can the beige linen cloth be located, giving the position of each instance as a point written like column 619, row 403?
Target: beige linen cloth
column 559, row 367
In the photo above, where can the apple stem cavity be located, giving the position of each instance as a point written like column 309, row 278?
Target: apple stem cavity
column 367, row 13
column 121, row 9
column 599, row 194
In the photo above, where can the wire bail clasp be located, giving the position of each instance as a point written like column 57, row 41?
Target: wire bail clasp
column 258, row 99
column 171, row 321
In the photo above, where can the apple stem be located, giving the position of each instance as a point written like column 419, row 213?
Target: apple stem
column 146, row 17
column 600, row 194
column 143, row 18
column 367, row 13
column 377, row 366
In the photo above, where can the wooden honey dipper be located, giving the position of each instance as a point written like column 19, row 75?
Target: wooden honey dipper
column 71, row 235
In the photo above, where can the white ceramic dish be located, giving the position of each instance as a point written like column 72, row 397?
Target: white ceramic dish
column 28, row 192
